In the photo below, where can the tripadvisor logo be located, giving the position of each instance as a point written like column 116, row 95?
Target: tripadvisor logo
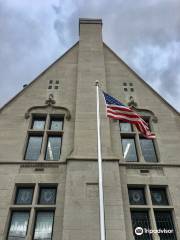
column 139, row 231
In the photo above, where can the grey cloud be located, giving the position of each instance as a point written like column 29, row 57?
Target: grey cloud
column 127, row 27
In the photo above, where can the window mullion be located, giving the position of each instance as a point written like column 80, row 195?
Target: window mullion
column 138, row 147
column 31, row 225
column 151, row 213
column 153, row 223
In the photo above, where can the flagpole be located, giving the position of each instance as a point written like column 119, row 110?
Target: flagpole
column 101, row 196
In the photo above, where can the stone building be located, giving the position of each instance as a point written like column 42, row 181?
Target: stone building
column 48, row 152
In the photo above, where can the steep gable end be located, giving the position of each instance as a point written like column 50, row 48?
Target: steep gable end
column 116, row 66
column 57, row 70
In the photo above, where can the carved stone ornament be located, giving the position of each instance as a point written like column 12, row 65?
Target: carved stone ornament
column 132, row 102
column 147, row 112
column 50, row 102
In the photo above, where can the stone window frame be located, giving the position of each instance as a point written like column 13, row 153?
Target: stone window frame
column 32, row 208
column 150, row 208
column 45, row 133
column 137, row 136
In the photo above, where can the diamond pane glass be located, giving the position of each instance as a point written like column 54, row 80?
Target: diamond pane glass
column 164, row 221
column 47, row 195
column 141, row 219
column 125, row 127
column 24, row 196
column 148, row 150
column 44, row 225
column 18, row 225
column 53, row 148
column 159, row 196
column 136, row 196
column 56, row 125
column 33, row 148
column 38, row 124
column 129, row 149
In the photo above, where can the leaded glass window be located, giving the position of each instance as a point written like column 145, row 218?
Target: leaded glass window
column 159, row 196
column 24, row 195
column 125, row 127
column 44, row 225
column 33, row 148
column 148, row 150
column 38, row 123
column 129, row 149
column 141, row 219
column 164, row 221
column 56, row 124
column 53, row 148
column 136, row 196
column 47, row 195
column 18, row 225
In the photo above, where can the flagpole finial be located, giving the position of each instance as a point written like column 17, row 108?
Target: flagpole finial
column 97, row 83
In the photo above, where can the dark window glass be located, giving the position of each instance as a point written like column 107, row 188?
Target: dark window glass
column 125, row 127
column 159, row 196
column 56, row 87
column 33, row 148
column 56, row 124
column 50, row 81
column 164, row 221
column 24, row 195
column 136, row 196
column 125, row 89
column 53, row 148
column 18, row 225
column 44, row 225
column 130, row 84
column 141, row 219
column 125, row 84
column 47, row 195
column 132, row 89
column 148, row 150
column 50, row 87
column 57, row 81
column 38, row 123
column 129, row 149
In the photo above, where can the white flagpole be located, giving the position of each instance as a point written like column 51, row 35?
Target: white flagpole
column 101, row 196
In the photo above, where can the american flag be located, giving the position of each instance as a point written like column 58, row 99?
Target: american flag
column 117, row 110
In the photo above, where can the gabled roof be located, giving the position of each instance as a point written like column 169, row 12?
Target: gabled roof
column 134, row 72
column 24, row 89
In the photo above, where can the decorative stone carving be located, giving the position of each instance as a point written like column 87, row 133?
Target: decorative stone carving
column 50, row 102
column 147, row 112
column 132, row 102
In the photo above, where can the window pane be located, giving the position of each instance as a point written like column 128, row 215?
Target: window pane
column 159, row 196
column 38, row 123
column 33, row 148
column 164, row 221
column 148, row 150
column 125, row 127
column 47, row 195
column 136, row 196
column 44, row 225
column 129, row 150
column 141, row 219
column 18, row 225
column 24, row 196
column 56, row 124
column 53, row 148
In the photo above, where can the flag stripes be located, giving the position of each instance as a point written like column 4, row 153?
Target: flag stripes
column 117, row 110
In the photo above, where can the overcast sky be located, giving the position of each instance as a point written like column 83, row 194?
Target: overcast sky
column 144, row 33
